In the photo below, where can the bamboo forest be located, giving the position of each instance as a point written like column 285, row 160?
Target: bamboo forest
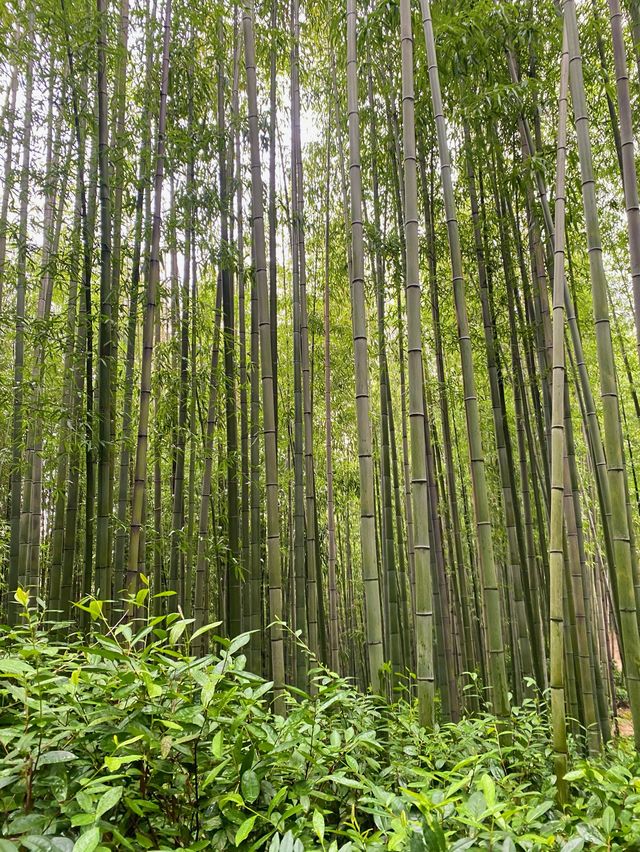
column 319, row 425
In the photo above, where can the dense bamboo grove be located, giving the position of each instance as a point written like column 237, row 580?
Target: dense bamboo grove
column 325, row 319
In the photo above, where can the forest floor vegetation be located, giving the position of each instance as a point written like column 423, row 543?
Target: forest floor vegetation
column 122, row 739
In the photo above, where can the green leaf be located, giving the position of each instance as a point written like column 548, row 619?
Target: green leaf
column 21, row 596
column 171, row 725
column 250, row 785
column 12, row 666
column 208, row 690
column 113, row 764
column 345, row 782
column 216, row 745
column 178, row 629
column 88, row 841
column 238, row 643
column 81, row 819
column 608, row 819
column 154, row 690
column 574, row 775
column 488, row 787
column 108, row 800
column 286, row 844
column 318, row 825
column 574, row 844
column 141, row 596
column 7, row 846
column 274, row 846
column 95, row 609
column 56, row 757
column 476, row 805
column 62, row 844
column 236, row 798
column 245, row 829
column 37, row 843
column 590, row 833
column 279, row 796
column 106, row 653
column 539, row 810
column 205, row 629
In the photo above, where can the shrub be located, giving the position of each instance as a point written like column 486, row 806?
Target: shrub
column 124, row 740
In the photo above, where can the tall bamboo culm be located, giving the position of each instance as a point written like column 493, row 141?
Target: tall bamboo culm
column 487, row 564
column 616, row 472
column 419, row 482
column 556, row 526
column 373, row 613
column 264, row 325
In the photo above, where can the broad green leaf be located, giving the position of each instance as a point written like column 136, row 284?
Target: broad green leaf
column 56, row 757
column 21, row 596
column 261, row 690
column 574, row 775
column 237, row 643
column 154, row 690
column 236, row 798
column 488, row 787
column 574, row 844
column 88, row 841
column 274, row 846
column 12, row 666
column 590, row 833
column 177, row 630
column 344, row 781
column 539, row 810
column 476, row 805
column 113, row 764
column 141, row 596
column 37, row 843
column 216, row 745
column 279, row 796
column 250, row 785
column 608, row 819
column 63, row 844
column 108, row 801
column 205, row 629
column 245, row 829
column 95, row 609
column 286, row 844
column 208, row 690
column 318, row 825
column 81, row 819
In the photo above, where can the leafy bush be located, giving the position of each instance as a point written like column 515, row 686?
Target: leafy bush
column 126, row 741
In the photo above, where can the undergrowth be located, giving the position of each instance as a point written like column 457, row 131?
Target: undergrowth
column 112, row 742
